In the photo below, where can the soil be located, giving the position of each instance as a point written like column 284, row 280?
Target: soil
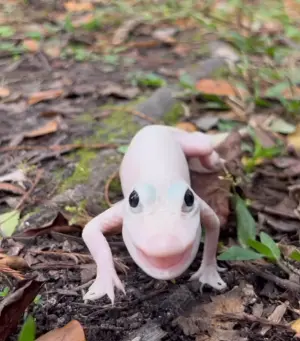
column 86, row 115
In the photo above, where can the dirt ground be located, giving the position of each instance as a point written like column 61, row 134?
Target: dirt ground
column 78, row 79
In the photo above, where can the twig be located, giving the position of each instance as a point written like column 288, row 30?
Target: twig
column 283, row 283
column 68, row 265
column 143, row 116
column 252, row 319
column 28, row 193
column 59, row 148
column 82, row 257
column 8, row 271
column 83, row 286
column 107, row 185
column 24, row 198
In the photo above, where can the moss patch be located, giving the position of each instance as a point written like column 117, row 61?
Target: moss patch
column 82, row 170
column 115, row 186
column 174, row 115
column 118, row 125
column 78, row 214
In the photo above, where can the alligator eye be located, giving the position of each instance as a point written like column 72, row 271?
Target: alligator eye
column 134, row 199
column 189, row 198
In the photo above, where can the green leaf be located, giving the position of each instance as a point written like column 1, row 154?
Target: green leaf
column 151, row 80
column 246, row 226
column 8, row 222
column 4, row 292
column 186, row 81
column 6, row 31
column 122, row 149
column 34, row 35
column 262, row 103
column 295, row 255
column 239, row 253
column 261, row 248
column 280, row 126
column 228, row 125
column 27, row 332
column 111, row 59
column 269, row 242
column 292, row 32
column 277, row 90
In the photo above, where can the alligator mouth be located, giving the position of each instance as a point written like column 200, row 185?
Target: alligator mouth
column 165, row 262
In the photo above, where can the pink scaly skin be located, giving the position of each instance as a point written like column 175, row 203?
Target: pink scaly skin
column 160, row 215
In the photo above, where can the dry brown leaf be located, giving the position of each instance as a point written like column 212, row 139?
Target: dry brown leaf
column 287, row 250
column 72, row 331
column 182, row 49
column 266, row 138
column 48, row 128
column 15, row 176
column 31, row 45
column 4, row 92
column 294, row 139
column 52, row 51
column 285, row 208
column 124, row 30
column 272, row 27
column 44, row 96
column 212, row 188
column 73, row 6
column 291, row 93
column 296, row 327
column 118, row 91
column 144, row 44
column 11, row 188
column 186, row 23
column 276, row 316
column 187, row 126
column 292, row 8
column 83, row 20
column 11, row 272
column 13, row 306
column 165, row 35
column 203, row 318
column 215, row 87
column 13, row 262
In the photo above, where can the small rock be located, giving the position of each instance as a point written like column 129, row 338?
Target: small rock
column 178, row 301
column 207, row 122
column 157, row 105
column 220, row 49
column 148, row 332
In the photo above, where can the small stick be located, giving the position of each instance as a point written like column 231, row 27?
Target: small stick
column 143, row 116
column 252, row 319
column 59, row 148
column 11, row 272
column 107, row 185
column 283, row 283
column 28, row 193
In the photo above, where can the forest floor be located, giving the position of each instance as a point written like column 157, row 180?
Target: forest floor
column 78, row 80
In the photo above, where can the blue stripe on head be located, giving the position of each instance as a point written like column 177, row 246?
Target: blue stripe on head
column 147, row 193
column 176, row 191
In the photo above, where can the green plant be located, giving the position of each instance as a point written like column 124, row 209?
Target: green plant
column 68, row 25
column 150, row 80
column 28, row 330
column 6, row 31
column 4, row 292
column 250, row 248
column 186, row 81
column 260, row 153
column 38, row 300
column 112, row 59
column 34, row 35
